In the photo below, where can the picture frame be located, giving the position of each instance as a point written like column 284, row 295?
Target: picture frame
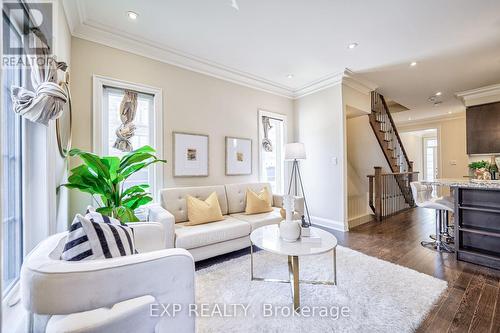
column 238, row 156
column 190, row 154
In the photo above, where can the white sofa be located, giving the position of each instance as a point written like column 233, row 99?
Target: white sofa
column 109, row 295
column 216, row 238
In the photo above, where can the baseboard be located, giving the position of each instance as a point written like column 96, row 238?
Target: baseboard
column 359, row 220
column 332, row 224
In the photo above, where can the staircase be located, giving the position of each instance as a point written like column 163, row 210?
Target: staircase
column 388, row 138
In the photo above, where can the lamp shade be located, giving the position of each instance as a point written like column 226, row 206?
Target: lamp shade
column 295, row 151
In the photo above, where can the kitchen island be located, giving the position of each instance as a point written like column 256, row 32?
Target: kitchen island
column 476, row 219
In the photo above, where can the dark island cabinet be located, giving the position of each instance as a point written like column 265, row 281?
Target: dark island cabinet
column 477, row 225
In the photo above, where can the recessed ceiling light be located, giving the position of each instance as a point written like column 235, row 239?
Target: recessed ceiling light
column 352, row 45
column 439, row 93
column 449, row 112
column 413, row 64
column 132, row 15
column 290, row 76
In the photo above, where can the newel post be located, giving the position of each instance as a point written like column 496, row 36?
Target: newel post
column 378, row 193
column 410, row 170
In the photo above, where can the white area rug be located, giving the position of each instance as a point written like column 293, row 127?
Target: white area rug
column 380, row 296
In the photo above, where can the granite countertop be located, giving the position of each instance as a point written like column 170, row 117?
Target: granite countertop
column 468, row 183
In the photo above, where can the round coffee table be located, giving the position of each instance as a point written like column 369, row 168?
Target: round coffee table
column 268, row 239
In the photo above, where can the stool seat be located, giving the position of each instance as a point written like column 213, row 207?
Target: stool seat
column 423, row 196
column 437, row 203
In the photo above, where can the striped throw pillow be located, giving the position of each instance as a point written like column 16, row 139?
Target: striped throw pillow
column 97, row 236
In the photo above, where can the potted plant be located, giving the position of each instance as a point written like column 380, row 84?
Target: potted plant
column 477, row 167
column 104, row 177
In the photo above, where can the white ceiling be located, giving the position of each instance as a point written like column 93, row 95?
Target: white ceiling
column 455, row 42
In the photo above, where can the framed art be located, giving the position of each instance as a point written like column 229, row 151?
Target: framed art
column 190, row 154
column 238, row 156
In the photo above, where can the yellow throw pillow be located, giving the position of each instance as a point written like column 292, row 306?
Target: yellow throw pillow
column 258, row 203
column 200, row 212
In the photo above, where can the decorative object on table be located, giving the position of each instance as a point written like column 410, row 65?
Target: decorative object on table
column 104, row 177
column 128, row 109
column 64, row 123
column 46, row 101
column 473, row 166
column 190, row 152
column 295, row 152
column 289, row 228
column 267, row 145
column 238, row 156
column 493, row 169
column 305, row 230
column 482, row 174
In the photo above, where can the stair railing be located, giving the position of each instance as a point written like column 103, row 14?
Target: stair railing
column 385, row 196
column 394, row 152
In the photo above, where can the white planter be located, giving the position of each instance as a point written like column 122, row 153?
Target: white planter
column 290, row 230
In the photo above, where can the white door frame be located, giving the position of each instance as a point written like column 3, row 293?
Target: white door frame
column 263, row 113
column 424, row 157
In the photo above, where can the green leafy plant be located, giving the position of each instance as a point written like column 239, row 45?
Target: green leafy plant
column 478, row 165
column 103, row 178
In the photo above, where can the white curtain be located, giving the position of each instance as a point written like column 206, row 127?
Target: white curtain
column 267, row 145
column 128, row 109
column 47, row 100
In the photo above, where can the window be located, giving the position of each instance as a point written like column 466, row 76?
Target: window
column 108, row 95
column 272, row 125
column 11, row 182
column 112, row 99
column 430, row 158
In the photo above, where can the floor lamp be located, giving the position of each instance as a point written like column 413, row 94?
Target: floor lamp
column 295, row 152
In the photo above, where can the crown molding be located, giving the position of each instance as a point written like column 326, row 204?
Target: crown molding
column 483, row 95
column 318, row 85
column 356, row 82
column 84, row 28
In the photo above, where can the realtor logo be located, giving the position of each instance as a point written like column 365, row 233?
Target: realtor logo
column 32, row 20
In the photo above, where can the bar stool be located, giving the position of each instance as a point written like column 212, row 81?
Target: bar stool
column 424, row 198
column 448, row 237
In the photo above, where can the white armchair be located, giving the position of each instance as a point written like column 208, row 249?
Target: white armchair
column 159, row 214
column 109, row 295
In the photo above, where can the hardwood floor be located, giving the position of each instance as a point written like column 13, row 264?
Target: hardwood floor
column 472, row 301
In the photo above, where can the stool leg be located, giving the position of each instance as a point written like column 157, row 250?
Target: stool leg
column 439, row 220
column 440, row 226
column 442, row 245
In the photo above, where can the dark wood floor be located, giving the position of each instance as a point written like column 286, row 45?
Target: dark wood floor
column 472, row 301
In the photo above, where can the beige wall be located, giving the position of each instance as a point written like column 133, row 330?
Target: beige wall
column 360, row 160
column 363, row 154
column 412, row 141
column 320, row 122
column 452, row 141
column 192, row 102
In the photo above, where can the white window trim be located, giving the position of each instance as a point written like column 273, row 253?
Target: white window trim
column 99, row 82
column 264, row 113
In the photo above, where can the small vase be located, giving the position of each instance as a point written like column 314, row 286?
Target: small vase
column 289, row 230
